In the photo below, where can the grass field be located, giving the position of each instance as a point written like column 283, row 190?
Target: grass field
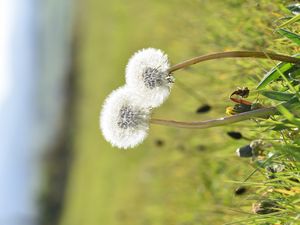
column 189, row 178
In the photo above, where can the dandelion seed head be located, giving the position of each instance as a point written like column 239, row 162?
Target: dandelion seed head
column 147, row 73
column 153, row 77
column 123, row 120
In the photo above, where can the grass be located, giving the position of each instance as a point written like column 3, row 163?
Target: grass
column 188, row 179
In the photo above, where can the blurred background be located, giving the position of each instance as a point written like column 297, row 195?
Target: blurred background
column 59, row 59
column 35, row 60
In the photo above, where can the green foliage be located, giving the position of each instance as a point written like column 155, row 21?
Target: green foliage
column 277, row 95
column 290, row 35
column 291, row 21
column 279, row 162
column 281, row 68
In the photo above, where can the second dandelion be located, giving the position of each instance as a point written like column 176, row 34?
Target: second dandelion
column 147, row 74
column 124, row 121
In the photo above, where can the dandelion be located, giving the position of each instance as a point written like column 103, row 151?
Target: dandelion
column 123, row 120
column 147, row 74
column 125, row 116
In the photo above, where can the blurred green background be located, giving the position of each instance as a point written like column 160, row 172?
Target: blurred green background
column 177, row 176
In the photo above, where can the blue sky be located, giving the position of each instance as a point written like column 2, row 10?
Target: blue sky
column 17, row 87
column 35, row 39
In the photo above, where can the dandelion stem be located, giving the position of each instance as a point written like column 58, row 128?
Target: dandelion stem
column 217, row 122
column 234, row 54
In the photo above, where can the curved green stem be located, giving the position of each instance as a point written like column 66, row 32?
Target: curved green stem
column 234, row 54
column 217, row 122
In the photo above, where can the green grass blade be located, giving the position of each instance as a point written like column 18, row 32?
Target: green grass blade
column 277, row 95
column 285, row 112
column 288, row 115
column 274, row 74
column 290, row 35
column 291, row 21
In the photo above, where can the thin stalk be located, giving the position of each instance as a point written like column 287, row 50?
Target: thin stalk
column 216, row 122
column 234, row 54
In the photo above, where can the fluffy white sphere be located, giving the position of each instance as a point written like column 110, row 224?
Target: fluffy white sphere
column 123, row 120
column 147, row 74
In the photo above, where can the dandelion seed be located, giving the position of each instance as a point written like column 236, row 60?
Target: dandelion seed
column 124, row 121
column 147, row 74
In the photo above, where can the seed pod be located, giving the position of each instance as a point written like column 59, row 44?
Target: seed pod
column 265, row 207
column 245, row 152
column 159, row 142
column 240, row 108
column 235, row 135
column 240, row 190
column 203, row 109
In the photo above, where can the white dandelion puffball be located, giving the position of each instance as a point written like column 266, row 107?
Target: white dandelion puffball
column 147, row 74
column 123, row 120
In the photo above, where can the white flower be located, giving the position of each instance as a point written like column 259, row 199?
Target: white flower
column 147, row 74
column 123, row 120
